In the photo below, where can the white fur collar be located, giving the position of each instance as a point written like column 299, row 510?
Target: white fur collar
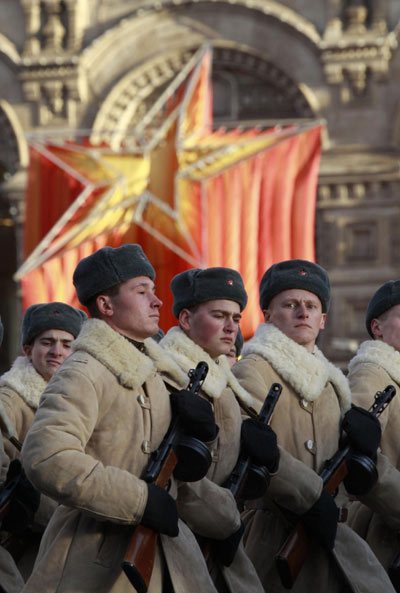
column 25, row 380
column 307, row 373
column 379, row 353
column 131, row 367
column 187, row 354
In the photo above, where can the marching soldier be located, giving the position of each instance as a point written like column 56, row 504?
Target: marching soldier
column 100, row 418
column 314, row 404
column 48, row 330
column 376, row 365
column 208, row 305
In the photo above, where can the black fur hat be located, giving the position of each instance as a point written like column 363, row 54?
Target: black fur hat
column 43, row 316
column 295, row 273
column 386, row 297
column 108, row 267
column 198, row 286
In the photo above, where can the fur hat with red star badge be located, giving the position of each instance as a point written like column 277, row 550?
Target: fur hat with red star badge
column 197, row 286
column 295, row 273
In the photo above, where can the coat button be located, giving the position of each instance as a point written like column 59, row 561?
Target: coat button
column 304, row 403
column 141, row 399
column 310, row 446
column 146, row 447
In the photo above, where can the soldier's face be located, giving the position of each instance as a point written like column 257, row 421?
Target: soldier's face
column 298, row 314
column 387, row 327
column 49, row 350
column 212, row 325
column 135, row 310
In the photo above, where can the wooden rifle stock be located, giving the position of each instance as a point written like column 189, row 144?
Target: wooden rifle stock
column 293, row 553
column 140, row 554
column 139, row 558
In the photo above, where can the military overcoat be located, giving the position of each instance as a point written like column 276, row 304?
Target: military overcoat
column 102, row 414
column 306, row 420
column 375, row 366
column 20, row 391
column 225, row 393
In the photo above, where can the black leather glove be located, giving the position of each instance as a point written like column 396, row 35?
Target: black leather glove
column 195, row 414
column 224, row 550
column 24, row 500
column 259, row 442
column 363, row 430
column 160, row 513
column 321, row 520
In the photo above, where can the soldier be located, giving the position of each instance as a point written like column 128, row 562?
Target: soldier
column 294, row 298
column 48, row 330
column 376, row 365
column 100, row 418
column 208, row 305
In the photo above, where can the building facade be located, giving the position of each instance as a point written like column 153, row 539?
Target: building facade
column 98, row 64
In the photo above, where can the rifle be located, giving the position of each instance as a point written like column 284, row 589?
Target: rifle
column 171, row 457
column 249, row 480
column 292, row 554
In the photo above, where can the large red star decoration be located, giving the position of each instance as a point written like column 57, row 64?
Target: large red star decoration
column 191, row 196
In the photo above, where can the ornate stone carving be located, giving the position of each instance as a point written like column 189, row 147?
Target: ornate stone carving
column 53, row 30
column 355, row 49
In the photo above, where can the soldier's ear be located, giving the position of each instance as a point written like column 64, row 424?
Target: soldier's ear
column 185, row 319
column 376, row 328
column 104, row 305
column 266, row 314
column 27, row 350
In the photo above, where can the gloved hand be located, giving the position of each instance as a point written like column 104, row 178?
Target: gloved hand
column 363, row 430
column 195, row 414
column 160, row 513
column 24, row 501
column 259, row 442
column 321, row 520
column 224, row 550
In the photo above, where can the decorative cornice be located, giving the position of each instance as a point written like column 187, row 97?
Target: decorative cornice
column 353, row 53
column 349, row 178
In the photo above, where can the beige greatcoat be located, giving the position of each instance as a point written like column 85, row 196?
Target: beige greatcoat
column 375, row 366
column 11, row 580
column 20, row 391
column 101, row 415
column 306, row 420
column 225, row 393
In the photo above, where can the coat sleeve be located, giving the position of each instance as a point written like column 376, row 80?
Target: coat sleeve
column 55, row 459
column 295, row 486
column 364, row 384
column 383, row 498
column 209, row 510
